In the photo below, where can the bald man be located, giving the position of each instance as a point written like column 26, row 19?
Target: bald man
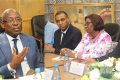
column 19, row 54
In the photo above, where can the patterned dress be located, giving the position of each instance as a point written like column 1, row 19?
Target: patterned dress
column 94, row 48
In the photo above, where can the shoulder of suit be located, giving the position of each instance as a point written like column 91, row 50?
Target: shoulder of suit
column 58, row 31
column 75, row 29
column 26, row 36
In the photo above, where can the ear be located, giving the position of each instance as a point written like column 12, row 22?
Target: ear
column 2, row 25
column 68, row 20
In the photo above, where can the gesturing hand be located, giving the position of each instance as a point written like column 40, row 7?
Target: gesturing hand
column 17, row 59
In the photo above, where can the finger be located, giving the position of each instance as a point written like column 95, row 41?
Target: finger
column 61, row 54
column 14, row 51
column 24, row 52
column 62, row 51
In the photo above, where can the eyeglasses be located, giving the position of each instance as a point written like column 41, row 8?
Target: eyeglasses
column 11, row 20
column 87, row 23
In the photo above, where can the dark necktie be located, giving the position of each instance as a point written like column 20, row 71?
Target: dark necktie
column 18, row 69
column 15, row 45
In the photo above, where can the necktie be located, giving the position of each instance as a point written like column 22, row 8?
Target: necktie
column 19, row 68
column 62, row 36
column 15, row 45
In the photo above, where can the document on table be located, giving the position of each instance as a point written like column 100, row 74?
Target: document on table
column 48, row 74
column 60, row 58
column 32, row 77
column 77, row 68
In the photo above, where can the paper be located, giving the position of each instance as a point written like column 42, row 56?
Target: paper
column 60, row 58
column 77, row 68
column 26, row 77
column 48, row 74
column 31, row 77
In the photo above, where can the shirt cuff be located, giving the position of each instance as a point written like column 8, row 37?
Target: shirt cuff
column 11, row 69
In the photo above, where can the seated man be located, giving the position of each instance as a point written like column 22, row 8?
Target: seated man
column 19, row 54
column 67, row 36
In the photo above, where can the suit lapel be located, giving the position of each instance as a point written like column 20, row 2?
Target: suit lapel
column 5, row 47
column 25, row 43
column 59, row 37
column 66, row 36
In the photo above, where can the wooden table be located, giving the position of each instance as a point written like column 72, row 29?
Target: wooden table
column 49, row 63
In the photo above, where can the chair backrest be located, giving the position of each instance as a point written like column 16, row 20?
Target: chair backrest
column 38, row 23
column 113, row 29
column 39, row 44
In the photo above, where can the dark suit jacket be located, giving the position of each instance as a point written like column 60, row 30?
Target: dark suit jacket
column 33, row 58
column 70, row 40
column 115, row 53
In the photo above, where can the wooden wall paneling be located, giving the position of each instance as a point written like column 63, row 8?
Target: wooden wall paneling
column 27, row 9
column 4, row 4
column 26, row 26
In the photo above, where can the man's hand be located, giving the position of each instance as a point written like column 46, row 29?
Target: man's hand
column 17, row 59
column 49, row 48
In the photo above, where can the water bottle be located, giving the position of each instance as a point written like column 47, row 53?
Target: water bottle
column 56, row 73
column 66, row 63
column 37, row 75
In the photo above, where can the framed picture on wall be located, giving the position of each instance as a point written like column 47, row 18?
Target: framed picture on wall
column 77, row 12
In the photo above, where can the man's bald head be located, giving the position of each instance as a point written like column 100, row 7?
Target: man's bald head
column 6, row 13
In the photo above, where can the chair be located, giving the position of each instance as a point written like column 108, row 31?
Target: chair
column 39, row 47
column 113, row 29
column 38, row 23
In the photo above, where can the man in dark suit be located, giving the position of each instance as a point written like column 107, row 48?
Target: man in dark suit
column 67, row 36
column 21, row 57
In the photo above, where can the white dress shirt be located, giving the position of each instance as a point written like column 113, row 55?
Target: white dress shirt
column 63, row 32
column 24, row 64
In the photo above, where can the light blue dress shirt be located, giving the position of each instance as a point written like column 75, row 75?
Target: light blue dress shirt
column 49, row 30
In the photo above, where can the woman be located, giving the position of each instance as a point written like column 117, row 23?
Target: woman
column 95, row 43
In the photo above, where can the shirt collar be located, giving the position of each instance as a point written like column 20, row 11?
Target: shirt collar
column 65, row 30
column 10, row 38
column 97, row 37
